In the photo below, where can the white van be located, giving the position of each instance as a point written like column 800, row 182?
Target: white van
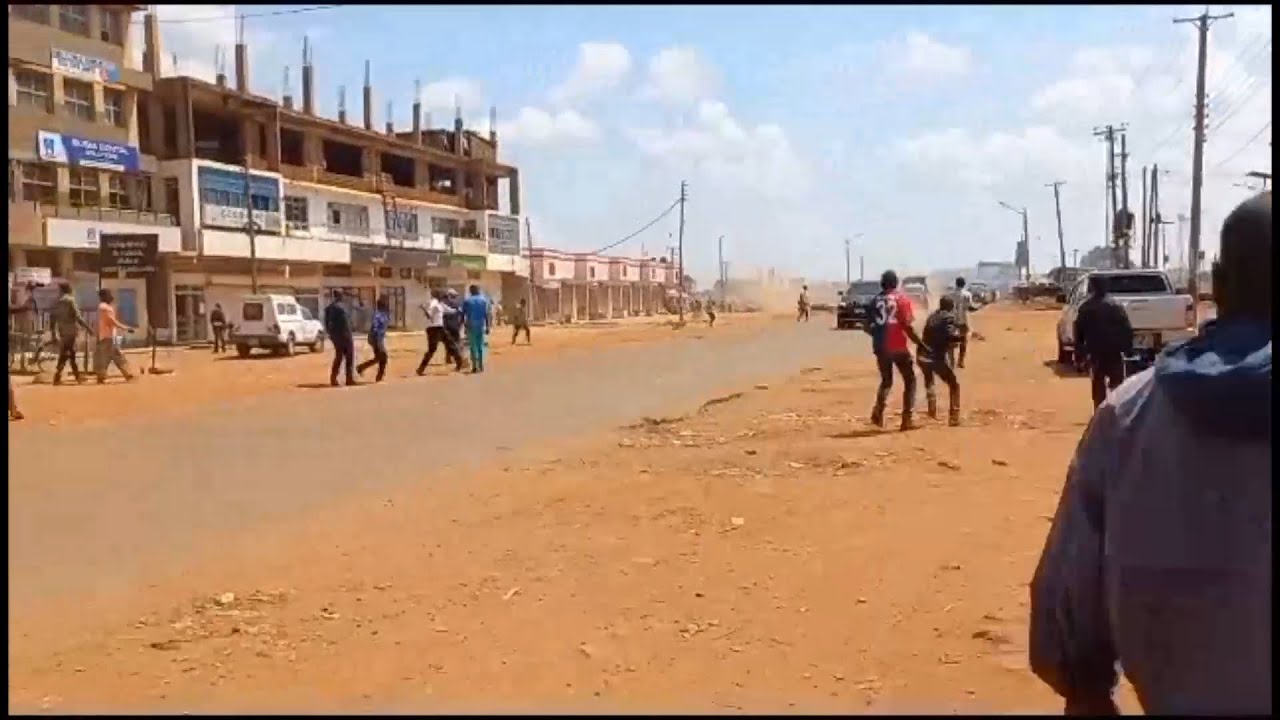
column 276, row 323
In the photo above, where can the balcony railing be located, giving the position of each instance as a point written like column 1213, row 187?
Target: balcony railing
column 366, row 185
column 99, row 214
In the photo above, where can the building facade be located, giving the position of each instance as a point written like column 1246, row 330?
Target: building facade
column 238, row 186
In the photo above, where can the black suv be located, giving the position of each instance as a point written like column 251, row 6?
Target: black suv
column 854, row 310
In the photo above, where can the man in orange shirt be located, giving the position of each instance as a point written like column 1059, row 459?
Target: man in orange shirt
column 107, row 352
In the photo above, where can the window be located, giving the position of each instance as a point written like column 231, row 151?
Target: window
column 385, row 272
column 77, row 98
column 74, row 19
column 252, row 312
column 33, row 89
column 117, row 192
column 113, row 106
column 444, row 226
column 295, row 212
column 33, row 13
column 591, row 272
column 349, row 219
column 402, row 224
column 39, row 183
column 551, row 269
column 84, row 187
column 112, row 30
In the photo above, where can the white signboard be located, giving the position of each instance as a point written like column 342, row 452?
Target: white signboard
column 238, row 218
column 37, row 275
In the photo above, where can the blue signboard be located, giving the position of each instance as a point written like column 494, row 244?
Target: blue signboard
column 88, row 68
column 56, row 147
column 232, row 181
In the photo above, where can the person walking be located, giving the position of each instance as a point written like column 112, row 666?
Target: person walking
column 962, row 299
column 1104, row 335
column 378, row 339
column 1159, row 555
column 337, row 325
column 218, row 321
column 941, row 334
column 16, row 311
column 107, row 350
column 67, row 322
column 475, row 313
column 711, row 313
column 890, row 329
column 435, row 310
column 453, row 323
column 802, row 304
column 520, row 321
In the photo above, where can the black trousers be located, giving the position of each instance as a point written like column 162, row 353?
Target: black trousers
column 437, row 336
column 344, row 351
column 515, row 333
column 962, row 346
column 219, row 339
column 886, row 362
column 379, row 347
column 939, row 368
column 66, row 354
column 1105, row 375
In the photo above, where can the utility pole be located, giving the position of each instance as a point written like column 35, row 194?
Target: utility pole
column 528, row 242
column 862, row 268
column 720, row 246
column 848, row 274
column 1075, row 257
column 684, row 194
column 249, row 226
column 1113, row 212
column 1197, row 156
column 1155, row 220
column 1146, row 218
column 1057, row 207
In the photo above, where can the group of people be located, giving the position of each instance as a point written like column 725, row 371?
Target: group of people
column 451, row 320
column 946, row 331
column 66, row 323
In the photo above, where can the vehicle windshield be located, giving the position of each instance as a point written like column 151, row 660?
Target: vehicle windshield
column 862, row 289
column 1136, row 284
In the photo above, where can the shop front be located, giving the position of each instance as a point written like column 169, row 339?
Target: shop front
column 401, row 275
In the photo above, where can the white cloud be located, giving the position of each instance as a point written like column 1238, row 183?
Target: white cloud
column 600, row 66
column 919, row 56
column 534, row 126
column 444, row 95
column 680, row 76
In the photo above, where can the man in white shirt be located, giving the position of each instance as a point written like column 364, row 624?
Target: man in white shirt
column 435, row 333
column 963, row 300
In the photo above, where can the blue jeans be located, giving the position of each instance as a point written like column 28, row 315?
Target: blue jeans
column 477, row 345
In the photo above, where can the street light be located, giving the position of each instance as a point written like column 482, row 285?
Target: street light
column 1025, row 240
column 848, row 277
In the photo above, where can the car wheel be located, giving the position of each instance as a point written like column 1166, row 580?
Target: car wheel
column 1065, row 356
column 242, row 351
column 289, row 348
column 318, row 345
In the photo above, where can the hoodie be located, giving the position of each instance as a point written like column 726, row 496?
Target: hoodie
column 1159, row 556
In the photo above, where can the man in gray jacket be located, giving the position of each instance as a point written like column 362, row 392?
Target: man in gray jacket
column 1159, row 557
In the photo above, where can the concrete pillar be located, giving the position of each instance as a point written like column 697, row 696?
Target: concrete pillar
column 272, row 151
column 64, row 264
column 513, row 190
column 17, row 257
column 186, row 125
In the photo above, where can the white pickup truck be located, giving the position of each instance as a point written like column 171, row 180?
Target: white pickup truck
column 1158, row 314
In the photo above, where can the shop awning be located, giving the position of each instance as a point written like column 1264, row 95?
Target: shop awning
column 396, row 257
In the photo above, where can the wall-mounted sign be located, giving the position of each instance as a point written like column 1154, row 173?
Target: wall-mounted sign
column 469, row 262
column 128, row 253
column 504, row 235
column 238, row 218
column 69, row 150
column 65, row 62
column 37, row 275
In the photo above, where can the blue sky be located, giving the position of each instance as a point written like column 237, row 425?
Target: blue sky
column 796, row 126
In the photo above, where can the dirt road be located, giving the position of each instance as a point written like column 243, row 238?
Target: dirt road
column 767, row 551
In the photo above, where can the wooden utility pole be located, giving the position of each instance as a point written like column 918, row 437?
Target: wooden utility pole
column 1146, row 218
column 249, row 227
column 1202, row 24
column 1057, row 207
column 1114, row 225
column 684, row 195
column 1154, row 220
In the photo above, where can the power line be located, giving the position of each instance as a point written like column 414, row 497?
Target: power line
column 1242, row 148
column 216, row 18
column 650, row 224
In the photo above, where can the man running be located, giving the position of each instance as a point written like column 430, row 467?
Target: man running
column 711, row 313
column 378, row 340
column 940, row 336
column 802, row 304
column 520, row 321
column 67, row 322
column 1159, row 556
column 337, row 324
column 435, row 310
column 1103, row 334
column 890, row 329
column 475, row 313
column 218, row 321
column 107, row 352
column 962, row 299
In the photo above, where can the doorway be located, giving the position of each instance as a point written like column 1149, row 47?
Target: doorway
column 189, row 305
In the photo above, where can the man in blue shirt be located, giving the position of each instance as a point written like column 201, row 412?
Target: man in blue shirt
column 378, row 339
column 475, row 312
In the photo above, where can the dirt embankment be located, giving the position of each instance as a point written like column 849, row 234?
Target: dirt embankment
column 769, row 553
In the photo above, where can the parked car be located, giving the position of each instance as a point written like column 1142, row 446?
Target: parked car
column 854, row 310
column 1158, row 314
column 276, row 323
column 919, row 295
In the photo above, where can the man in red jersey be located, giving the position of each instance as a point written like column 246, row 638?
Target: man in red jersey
column 892, row 316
